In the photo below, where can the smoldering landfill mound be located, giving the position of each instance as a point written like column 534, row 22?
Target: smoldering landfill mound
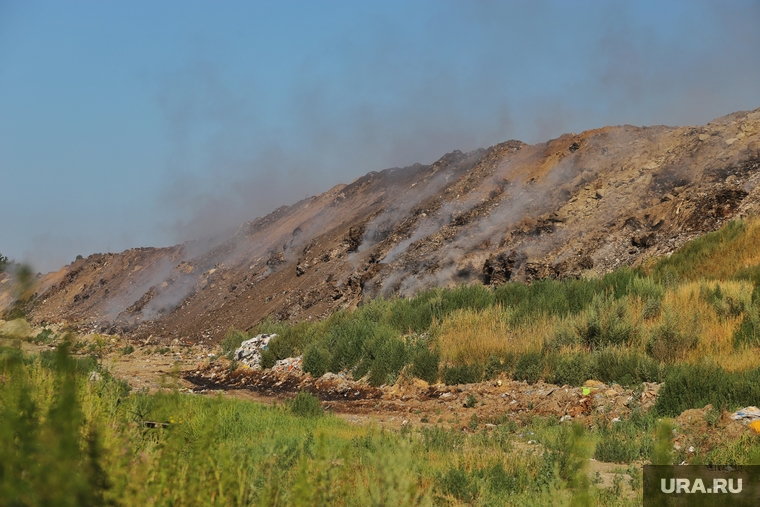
column 586, row 202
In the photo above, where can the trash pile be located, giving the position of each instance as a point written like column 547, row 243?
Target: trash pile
column 249, row 352
column 289, row 365
column 749, row 416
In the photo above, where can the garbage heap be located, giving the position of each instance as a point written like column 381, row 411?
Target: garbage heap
column 249, row 352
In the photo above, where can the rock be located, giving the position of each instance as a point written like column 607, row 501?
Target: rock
column 668, row 197
column 594, row 384
column 600, row 193
column 704, row 137
column 642, row 240
column 731, row 141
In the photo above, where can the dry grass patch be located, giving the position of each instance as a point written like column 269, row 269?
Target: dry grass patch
column 469, row 336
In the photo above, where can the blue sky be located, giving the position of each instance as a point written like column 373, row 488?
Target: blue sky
column 135, row 123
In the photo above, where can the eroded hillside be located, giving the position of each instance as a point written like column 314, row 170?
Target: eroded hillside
column 583, row 202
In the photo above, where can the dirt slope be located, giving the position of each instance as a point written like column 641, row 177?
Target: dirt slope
column 591, row 201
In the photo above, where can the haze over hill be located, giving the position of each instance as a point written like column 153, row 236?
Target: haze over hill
column 130, row 123
column 581, row 203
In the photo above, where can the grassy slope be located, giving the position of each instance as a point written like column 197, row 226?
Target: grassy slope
column 689, row 319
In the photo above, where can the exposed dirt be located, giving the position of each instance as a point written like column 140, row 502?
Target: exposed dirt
column 413, row 401
column 583, row 202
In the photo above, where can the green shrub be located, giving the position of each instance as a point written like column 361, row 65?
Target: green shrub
column 47, row 460
column 617, row 447
column 646, row 289
column 458, row 483
column 386, row 359
column 669, row 341
column 606, row 322
column 495, row 366
column 470, row 297
column 425, row 364
column 626, row 367
column 724, row 306
column 503, row 483
column 291, row 340
column 232, row 340
column 529, row 367
column 573, row 369
column 305, row 405
column 440, row 439
column 694, row 386
column 346, row 342
column 462, row 374
column 44, row 336
column 748, row 332
column 316, row 360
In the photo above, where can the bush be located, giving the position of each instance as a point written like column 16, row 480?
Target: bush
column 458, row 483
column 306, row 405
column 316, row 360
column 386, row 358
column 232, row 341
column 529, row 367
column 606, row 322
column 462, row 374
column 694, row 386
column 573, row 369
column 442, row 440
column 748, row 332
column 612, row 449
column 346, row 342
column 671, row 340
column 626, row 367
column 425, row 364
column 495, row 366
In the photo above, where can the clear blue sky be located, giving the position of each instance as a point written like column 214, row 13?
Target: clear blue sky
column 135, row 123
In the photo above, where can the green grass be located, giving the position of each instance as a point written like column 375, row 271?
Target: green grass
column 69, row 440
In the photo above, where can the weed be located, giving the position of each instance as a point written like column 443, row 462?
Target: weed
column 306, row 405
column 425, row 364
column 231, row 341
column 529, row 367
column 463, row 374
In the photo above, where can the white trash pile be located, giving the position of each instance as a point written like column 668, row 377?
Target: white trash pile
column 747, row 415
column 249, row 354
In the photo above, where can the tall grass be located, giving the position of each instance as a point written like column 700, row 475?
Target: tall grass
column 68, row 440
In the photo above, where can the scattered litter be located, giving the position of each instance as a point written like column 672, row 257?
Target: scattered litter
column 94, row 376
column 747, row 414
column 290, row 364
